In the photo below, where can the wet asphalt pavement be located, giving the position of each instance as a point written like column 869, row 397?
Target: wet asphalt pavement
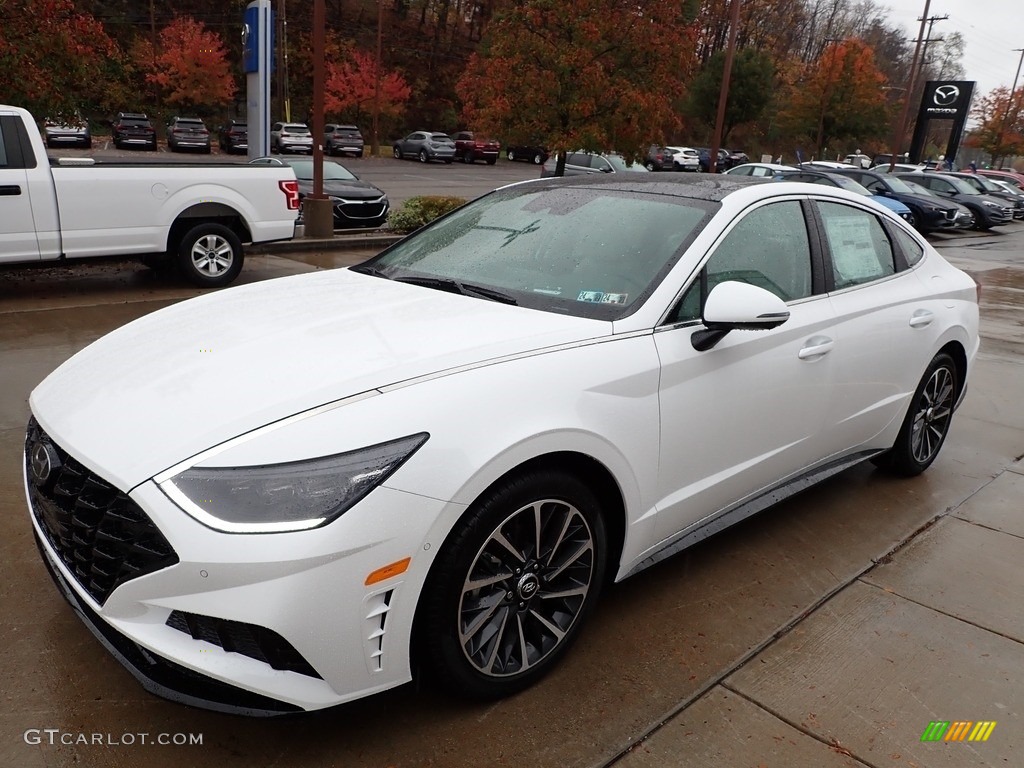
column 827, row 631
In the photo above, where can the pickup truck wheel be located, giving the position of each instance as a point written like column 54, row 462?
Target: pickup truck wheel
column 210, row 255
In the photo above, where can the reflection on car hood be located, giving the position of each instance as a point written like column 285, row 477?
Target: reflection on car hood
column 893, row 205
column 183, row 379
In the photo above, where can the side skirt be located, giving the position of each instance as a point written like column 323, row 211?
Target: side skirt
column 767, row 498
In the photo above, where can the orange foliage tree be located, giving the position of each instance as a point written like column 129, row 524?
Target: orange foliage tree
column 593, row 75
column 191, row 66
column 1000, row 124
column 350, row 88
column 56, row 59
column 838, row 97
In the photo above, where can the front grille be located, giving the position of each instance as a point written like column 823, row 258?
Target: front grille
column 249, row 640
column 101, row 536
column 369, row 210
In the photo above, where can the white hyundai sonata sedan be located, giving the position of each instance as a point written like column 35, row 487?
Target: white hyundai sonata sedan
column 292, row 494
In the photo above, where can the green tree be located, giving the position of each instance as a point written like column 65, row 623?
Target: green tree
column 572, row 74
column 750, row 89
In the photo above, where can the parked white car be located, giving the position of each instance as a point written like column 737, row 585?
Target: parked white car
column 436, row 459
column 760, row 170
column 685, row 159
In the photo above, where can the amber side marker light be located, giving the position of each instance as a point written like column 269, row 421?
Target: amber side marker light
column 394, row 569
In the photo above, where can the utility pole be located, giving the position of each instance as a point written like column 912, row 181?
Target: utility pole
column 930, row 39
column 901, row 128
column 723, row 95
column 1009, row 104
column 375, row 142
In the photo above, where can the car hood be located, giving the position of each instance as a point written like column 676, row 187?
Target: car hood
column 354, row 189
column 923, row 200
column 893, row 205
column 183, row 379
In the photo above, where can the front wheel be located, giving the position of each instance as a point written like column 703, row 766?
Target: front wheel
column 513, row 585
column 510, row 155
column 397, row 153
column 927, row 421
column 423, row 155
column 210, row 255
column 538, row 159
column 649, row 166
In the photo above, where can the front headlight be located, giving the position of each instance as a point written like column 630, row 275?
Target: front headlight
column 286, row 497
column 990, row 204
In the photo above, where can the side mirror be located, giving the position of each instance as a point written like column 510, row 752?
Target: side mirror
column 734, row 306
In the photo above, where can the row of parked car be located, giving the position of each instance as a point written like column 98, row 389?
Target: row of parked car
column 663, row 158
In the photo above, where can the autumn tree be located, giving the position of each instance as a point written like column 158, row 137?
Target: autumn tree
column 1000, row 129
column 351, row 88
column 190, row 66
column 56, row 59
column 750, row 89
column 593, row 75
column 838, row 97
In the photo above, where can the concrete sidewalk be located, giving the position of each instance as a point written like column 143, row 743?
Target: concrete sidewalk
column 934, row 632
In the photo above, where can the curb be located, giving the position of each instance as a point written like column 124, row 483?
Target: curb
column 340, row 242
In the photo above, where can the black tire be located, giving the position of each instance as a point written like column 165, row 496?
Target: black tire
column 914, row 220
column 210, row 255
column 544, row 596
column 359, row 153
column 423, row 156
column 510, row 155
column 492, row 161
column 467, row 158
column 927, row 421
column 397, row 153
column 650, row 166
column 538, row 159
column 448, row 161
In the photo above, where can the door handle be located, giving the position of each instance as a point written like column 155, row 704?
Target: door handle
column 10, row 190
column 815, row 348
column 921, row 318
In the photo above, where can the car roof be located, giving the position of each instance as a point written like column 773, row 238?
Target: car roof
column 692, row 186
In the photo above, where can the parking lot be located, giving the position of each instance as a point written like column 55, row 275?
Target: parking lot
column 827, row 631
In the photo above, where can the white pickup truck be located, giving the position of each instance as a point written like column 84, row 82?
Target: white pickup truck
column 196, row 216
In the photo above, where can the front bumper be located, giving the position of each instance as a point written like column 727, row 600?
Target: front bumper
column 255, row 624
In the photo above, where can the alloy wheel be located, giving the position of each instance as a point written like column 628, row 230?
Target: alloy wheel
column 934, row 411
column 212, row 255
column 526, row 587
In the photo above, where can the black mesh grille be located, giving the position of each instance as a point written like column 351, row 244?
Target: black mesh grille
column 103, row 537
column 249, row 640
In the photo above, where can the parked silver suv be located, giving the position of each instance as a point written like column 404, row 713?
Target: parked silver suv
column 580, row 163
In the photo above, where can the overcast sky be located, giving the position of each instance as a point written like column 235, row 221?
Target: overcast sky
column 991, row 29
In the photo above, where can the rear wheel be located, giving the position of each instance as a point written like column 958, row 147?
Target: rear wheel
column 423, row 156
column 538, row 159
column 467, row 158
column 927, row 421
column 649, row 166
column 516, row 580
column 492, row 161
column 210, row 255
column 510, row 155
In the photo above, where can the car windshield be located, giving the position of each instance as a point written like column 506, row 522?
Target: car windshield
column 850, row 185
column 588, row 252
column 898, row 186
column 989, row 186
column 332, row 171
column 619, row 164
column 963, row 187
column 917, row 189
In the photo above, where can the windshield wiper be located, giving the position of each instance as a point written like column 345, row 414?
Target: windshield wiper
column 456, row 286
column 369, row 269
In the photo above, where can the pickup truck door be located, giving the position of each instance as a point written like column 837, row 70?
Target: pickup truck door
column 18, row 240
